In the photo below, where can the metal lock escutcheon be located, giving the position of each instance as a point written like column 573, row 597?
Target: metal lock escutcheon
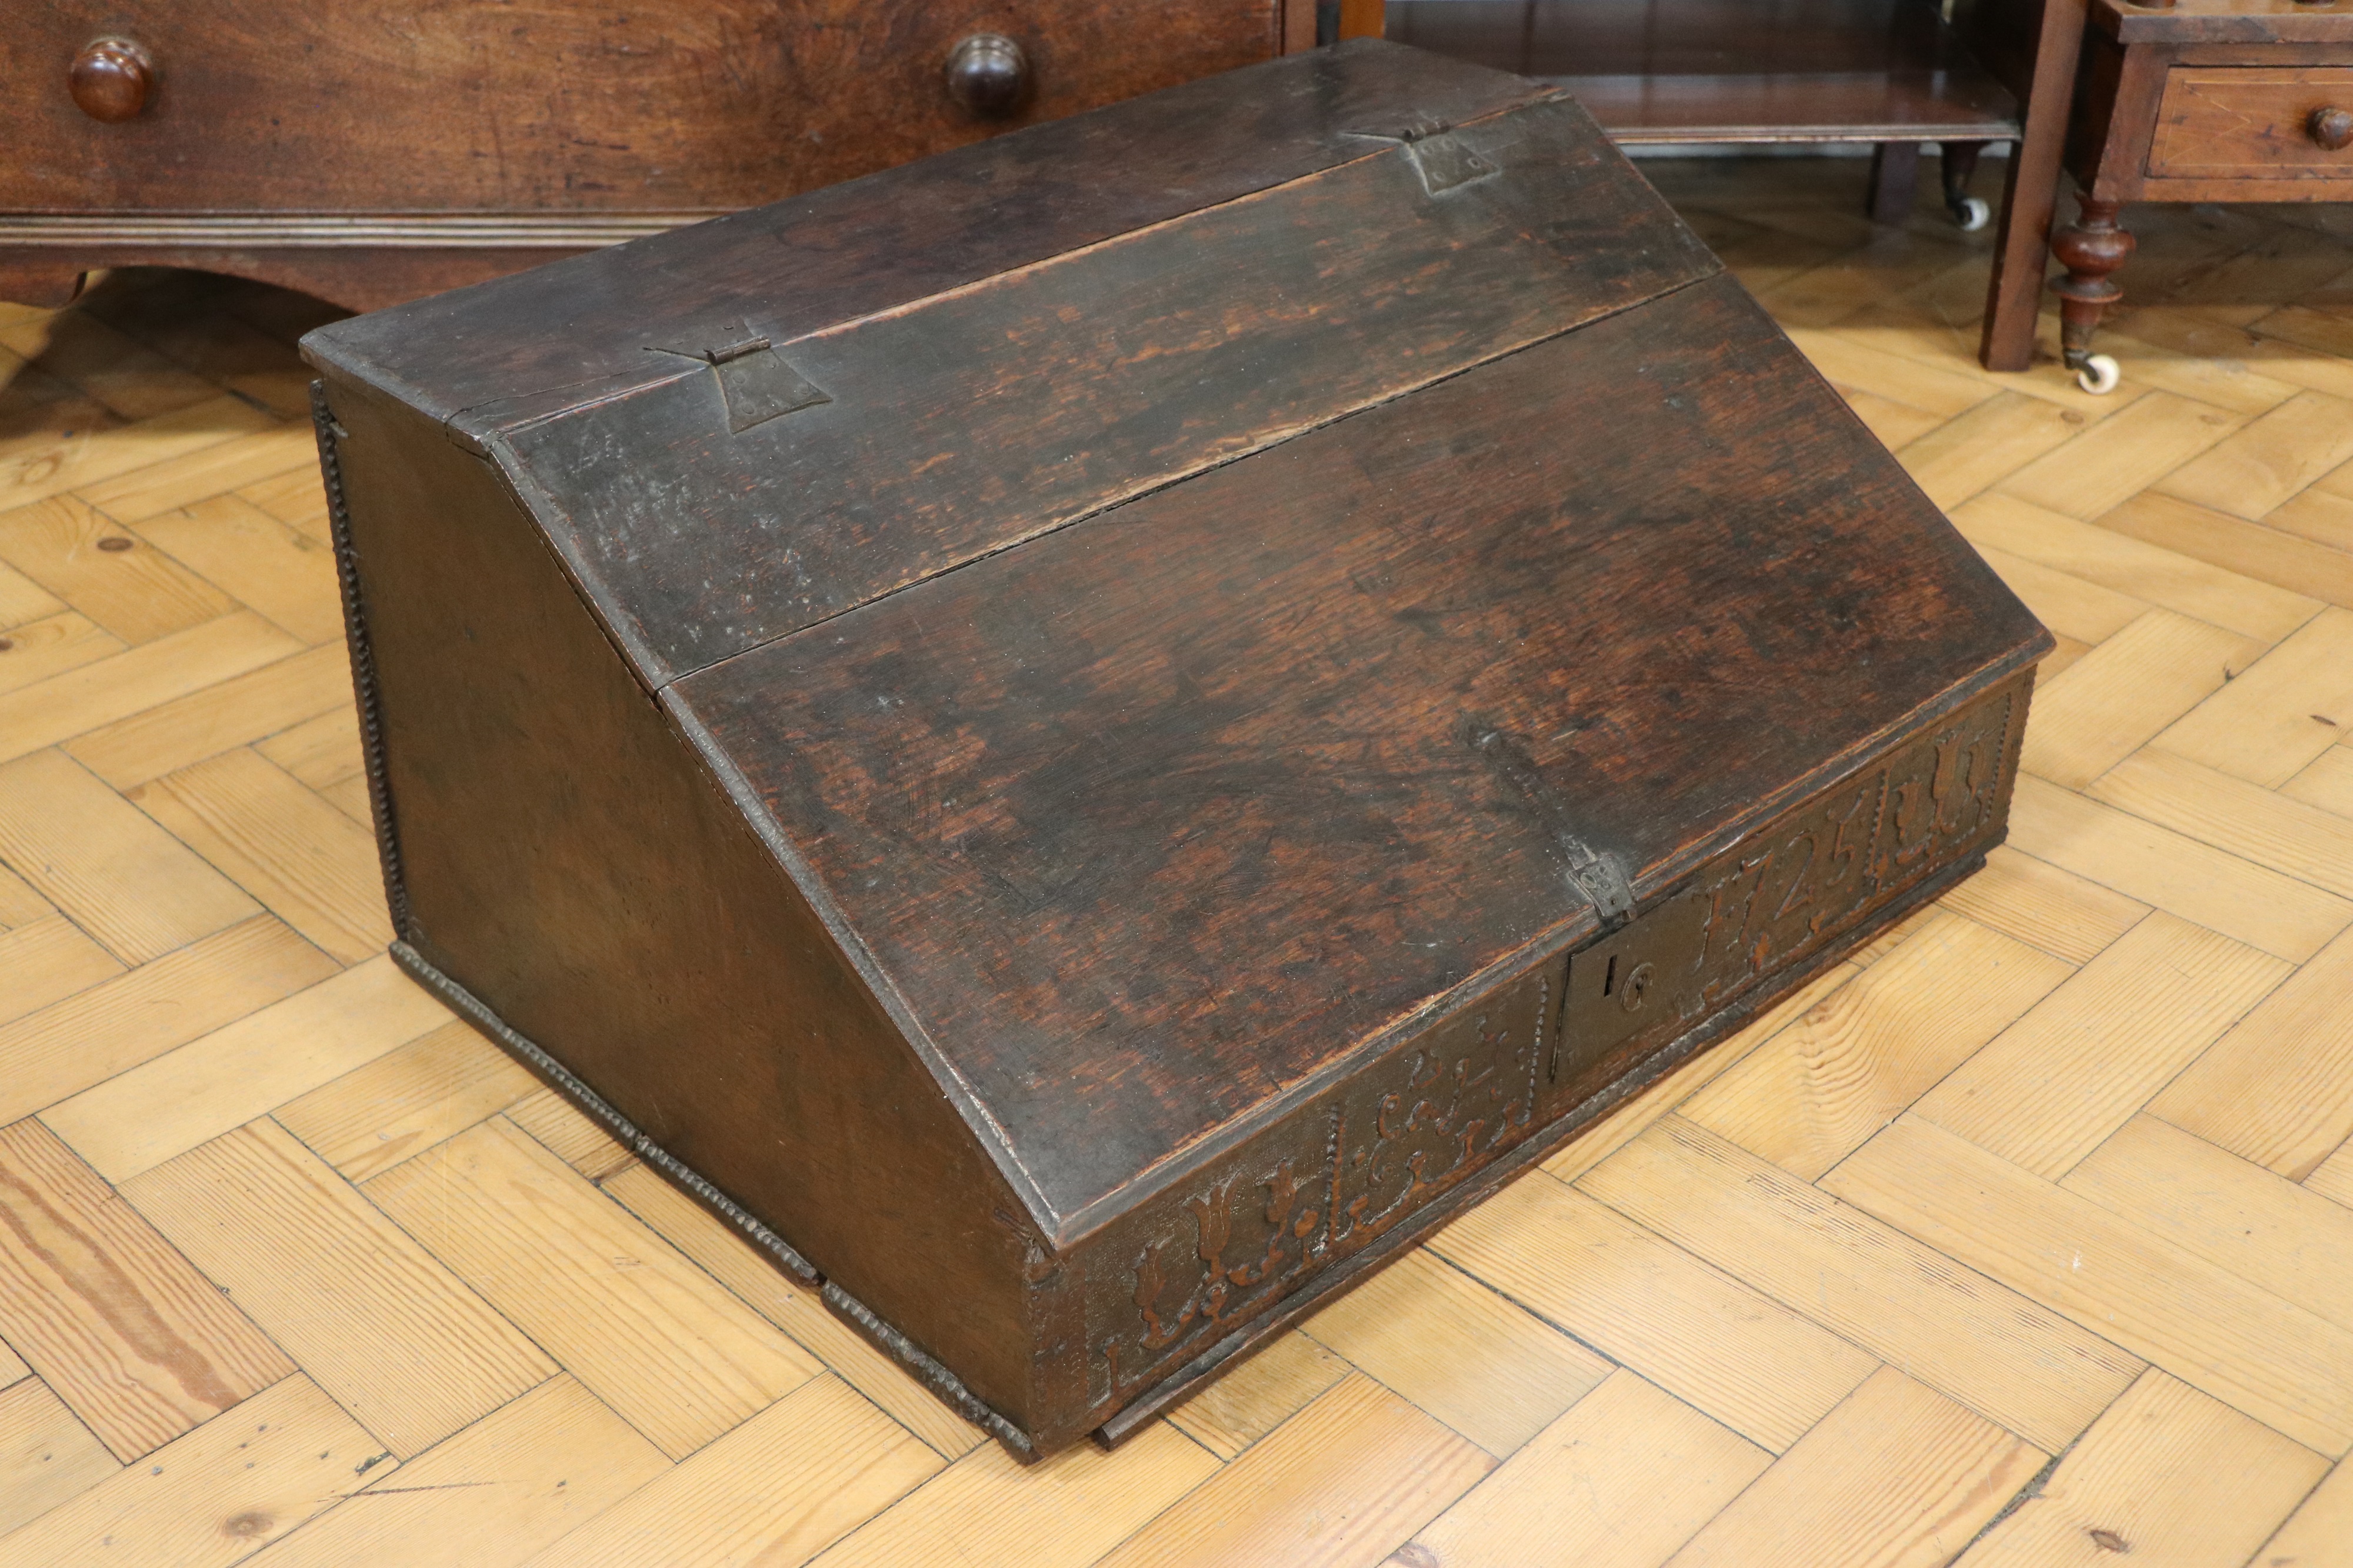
column 1623, row 984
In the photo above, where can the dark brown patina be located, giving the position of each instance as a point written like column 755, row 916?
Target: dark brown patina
column 1090, row 736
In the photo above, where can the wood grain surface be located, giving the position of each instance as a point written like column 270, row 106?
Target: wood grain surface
column 121, row 1326
column 679, row 1357
column 267, row 1220
column 556, row 107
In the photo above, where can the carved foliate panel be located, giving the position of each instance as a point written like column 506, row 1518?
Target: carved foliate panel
column 1332, row 1181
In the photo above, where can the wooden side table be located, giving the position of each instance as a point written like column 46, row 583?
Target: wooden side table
column 1893, row 73
column 1855, row 70
column 2199, row 101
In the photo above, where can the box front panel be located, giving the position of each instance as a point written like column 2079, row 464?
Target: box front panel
column 1786, row 892
column 1202, row 1270
column 1204, row 1259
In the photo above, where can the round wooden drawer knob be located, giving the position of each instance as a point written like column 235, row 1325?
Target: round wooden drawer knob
column 2331, row 127
column 988, row 74
column 110, row 79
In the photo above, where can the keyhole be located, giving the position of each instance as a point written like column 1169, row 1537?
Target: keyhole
column 1609, row 979
column 1638, row 987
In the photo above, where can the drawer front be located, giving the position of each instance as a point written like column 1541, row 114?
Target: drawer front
column 2250, row 122
column 550, row 106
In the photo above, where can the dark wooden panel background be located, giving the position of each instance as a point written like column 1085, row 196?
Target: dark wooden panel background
column 553, row 105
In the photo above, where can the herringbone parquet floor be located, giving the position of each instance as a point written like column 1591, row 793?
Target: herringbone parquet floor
column 2024, row 1238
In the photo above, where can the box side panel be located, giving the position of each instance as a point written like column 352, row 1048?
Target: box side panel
column 1200, row 1273
column 562, row 855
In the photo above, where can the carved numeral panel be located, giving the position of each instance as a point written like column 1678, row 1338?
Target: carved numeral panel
column 1785, row 893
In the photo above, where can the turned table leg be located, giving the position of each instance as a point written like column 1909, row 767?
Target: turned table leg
column 1960, row 163
column 2090, row 249
column 1894, row 170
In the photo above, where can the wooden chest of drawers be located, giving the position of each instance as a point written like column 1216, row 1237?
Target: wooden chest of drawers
column 1090, row 735
column 2198, row 100
column 371, row 151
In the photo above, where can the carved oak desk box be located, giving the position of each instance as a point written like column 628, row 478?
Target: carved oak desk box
column 1090, row 736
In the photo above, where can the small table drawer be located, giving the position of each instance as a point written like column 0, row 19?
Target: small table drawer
column 2246, row 122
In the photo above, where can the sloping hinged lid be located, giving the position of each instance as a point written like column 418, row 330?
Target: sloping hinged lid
column 753, row 425
column 1143, row 826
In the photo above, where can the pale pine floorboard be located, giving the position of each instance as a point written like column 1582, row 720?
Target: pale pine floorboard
column 2026, row 1236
